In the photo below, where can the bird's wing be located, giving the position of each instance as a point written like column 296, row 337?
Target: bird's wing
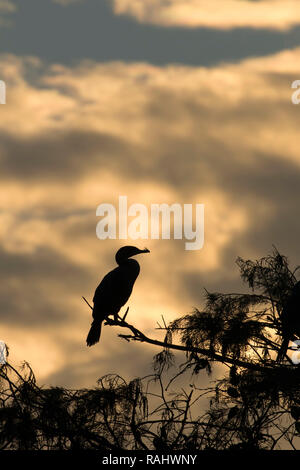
column 113, row 291
column 106, row 287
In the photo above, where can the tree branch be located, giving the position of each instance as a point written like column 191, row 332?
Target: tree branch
column 140, row 336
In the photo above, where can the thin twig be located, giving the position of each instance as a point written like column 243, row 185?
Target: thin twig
column 87, row 303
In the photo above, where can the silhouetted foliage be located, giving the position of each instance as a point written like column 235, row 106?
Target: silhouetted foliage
column 254, row 405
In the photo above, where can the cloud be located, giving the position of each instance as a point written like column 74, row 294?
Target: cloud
column 74, row 137
column 31, row 156
column 66, row 2
column 31, row 290
column 273, row 14
column 6, row 7
column 228, row 14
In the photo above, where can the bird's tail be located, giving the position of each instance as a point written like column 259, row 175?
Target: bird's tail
column 283, row 349
column 94, row 333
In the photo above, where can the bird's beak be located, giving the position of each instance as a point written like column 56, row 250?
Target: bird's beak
column 145, row 250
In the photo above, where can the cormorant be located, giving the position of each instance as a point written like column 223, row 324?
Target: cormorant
column 290, row 320
column 114, row 290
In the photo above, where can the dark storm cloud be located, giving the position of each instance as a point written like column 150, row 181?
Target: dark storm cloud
column 34, row 287
column 69, row 155
column 91, row 30
column 60, row 155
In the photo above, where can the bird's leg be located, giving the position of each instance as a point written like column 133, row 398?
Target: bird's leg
column 110, row 319
column 117, row 317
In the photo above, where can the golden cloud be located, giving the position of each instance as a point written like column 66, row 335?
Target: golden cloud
column 225, row 14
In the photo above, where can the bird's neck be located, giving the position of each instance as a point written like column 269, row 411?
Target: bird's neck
column 128, row 262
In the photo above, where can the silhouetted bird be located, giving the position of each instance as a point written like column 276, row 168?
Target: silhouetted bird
column 290, row 320
column 114, row 290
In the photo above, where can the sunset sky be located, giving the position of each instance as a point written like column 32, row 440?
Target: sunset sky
column 164, row 101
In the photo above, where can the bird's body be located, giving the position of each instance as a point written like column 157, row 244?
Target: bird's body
column 114, row 290
column 290, row 320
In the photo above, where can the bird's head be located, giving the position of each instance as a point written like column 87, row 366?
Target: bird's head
column 127, row 252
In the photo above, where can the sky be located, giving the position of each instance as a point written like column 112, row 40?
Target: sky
column 164, row 101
